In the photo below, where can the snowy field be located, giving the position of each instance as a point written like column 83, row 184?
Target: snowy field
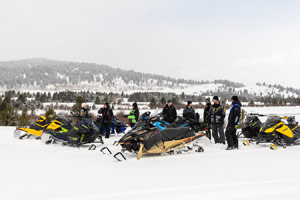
column 32, row 170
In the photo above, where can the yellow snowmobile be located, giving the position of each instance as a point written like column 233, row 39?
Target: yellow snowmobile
column 146, row 138
column 36, row 130
column 281, row 131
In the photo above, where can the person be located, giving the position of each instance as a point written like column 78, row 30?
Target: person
column 133, row 115
column 169, row 112
column 217, row 116
column 107, row 117
column 206, row 117
column 189, row 111
column 84, row 112
column 233, row 123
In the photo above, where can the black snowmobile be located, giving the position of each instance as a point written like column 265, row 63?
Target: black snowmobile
column 194, row 124
column 147, row 137
column 251, row 126
column 83, row 132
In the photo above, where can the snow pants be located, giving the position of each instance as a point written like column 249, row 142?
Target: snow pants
column 231, row 136
column 218, row 133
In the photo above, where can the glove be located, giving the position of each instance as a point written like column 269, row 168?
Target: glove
column 236, row 126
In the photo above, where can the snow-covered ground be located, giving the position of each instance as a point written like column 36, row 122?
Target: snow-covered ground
column 32, row 170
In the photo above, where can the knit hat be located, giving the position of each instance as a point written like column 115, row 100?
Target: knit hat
column 207, row 99
column 169, row 101
column 107, row 104
column 134, row 104
column 83, row 105
column 234, row 98
column 216, row 98
column 189, row 102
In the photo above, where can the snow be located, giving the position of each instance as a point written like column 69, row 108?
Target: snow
column 32, row 170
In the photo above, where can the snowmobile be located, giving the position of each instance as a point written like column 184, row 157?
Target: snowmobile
column 179, row 122
column 83, row 132
column 36, row 130
column 194, row 124
column 146, row 137
column 282, row 131
column 117, row 126
column 251, row 126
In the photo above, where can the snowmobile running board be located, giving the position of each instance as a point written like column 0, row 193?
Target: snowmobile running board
column 102, row 150
column 116, row 156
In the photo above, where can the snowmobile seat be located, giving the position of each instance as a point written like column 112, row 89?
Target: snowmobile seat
column 176, row 133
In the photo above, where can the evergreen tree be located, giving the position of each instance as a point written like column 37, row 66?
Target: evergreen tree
column 152, row 104
column 163, row 101
column 97, row 100
column 77, row 106
column 9, row 116
column 24, row 119
column 50, row 114
column 22, row 98
column 175, row 101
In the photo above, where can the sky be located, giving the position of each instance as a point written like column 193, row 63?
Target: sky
column 246, row 41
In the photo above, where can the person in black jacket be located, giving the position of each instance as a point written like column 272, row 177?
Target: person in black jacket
column 206, row 117
column 217, row 115
column 169, row 112
column 233, row 123
column 107, row 117
column 189, row 111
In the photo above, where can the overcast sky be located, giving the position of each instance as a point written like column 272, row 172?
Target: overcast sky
column 244, row 40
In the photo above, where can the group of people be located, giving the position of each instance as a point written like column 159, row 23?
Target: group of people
column 107, row 116
column 214, row 116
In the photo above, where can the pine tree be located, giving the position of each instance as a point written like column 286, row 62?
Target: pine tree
column 163, row 101
column 152, row 104
column 175, row 101
column 50, row 114
column 24, row 119
column 9, row 116
column 97, row 100
column 77, row 106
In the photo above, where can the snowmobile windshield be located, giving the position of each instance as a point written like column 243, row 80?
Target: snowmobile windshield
column 139, row 126
column 248, row 121
column 272, row 121
column 154, row 114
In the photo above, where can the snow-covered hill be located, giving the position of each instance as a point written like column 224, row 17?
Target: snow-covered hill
column 51, row 75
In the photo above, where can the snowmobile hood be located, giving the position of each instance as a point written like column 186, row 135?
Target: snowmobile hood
column 274, row 123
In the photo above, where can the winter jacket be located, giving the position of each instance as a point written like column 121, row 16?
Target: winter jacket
column 206, row 116
column 189, row 113
column 84, row 112
column 134, row 115
column 235, row 113
column 169, row 113
column 217, row 114
column 107, row 115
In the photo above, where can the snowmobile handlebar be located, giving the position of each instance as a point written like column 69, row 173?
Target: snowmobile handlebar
column 256, row 114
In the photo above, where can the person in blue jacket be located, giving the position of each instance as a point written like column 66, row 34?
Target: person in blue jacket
column 233, row 124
